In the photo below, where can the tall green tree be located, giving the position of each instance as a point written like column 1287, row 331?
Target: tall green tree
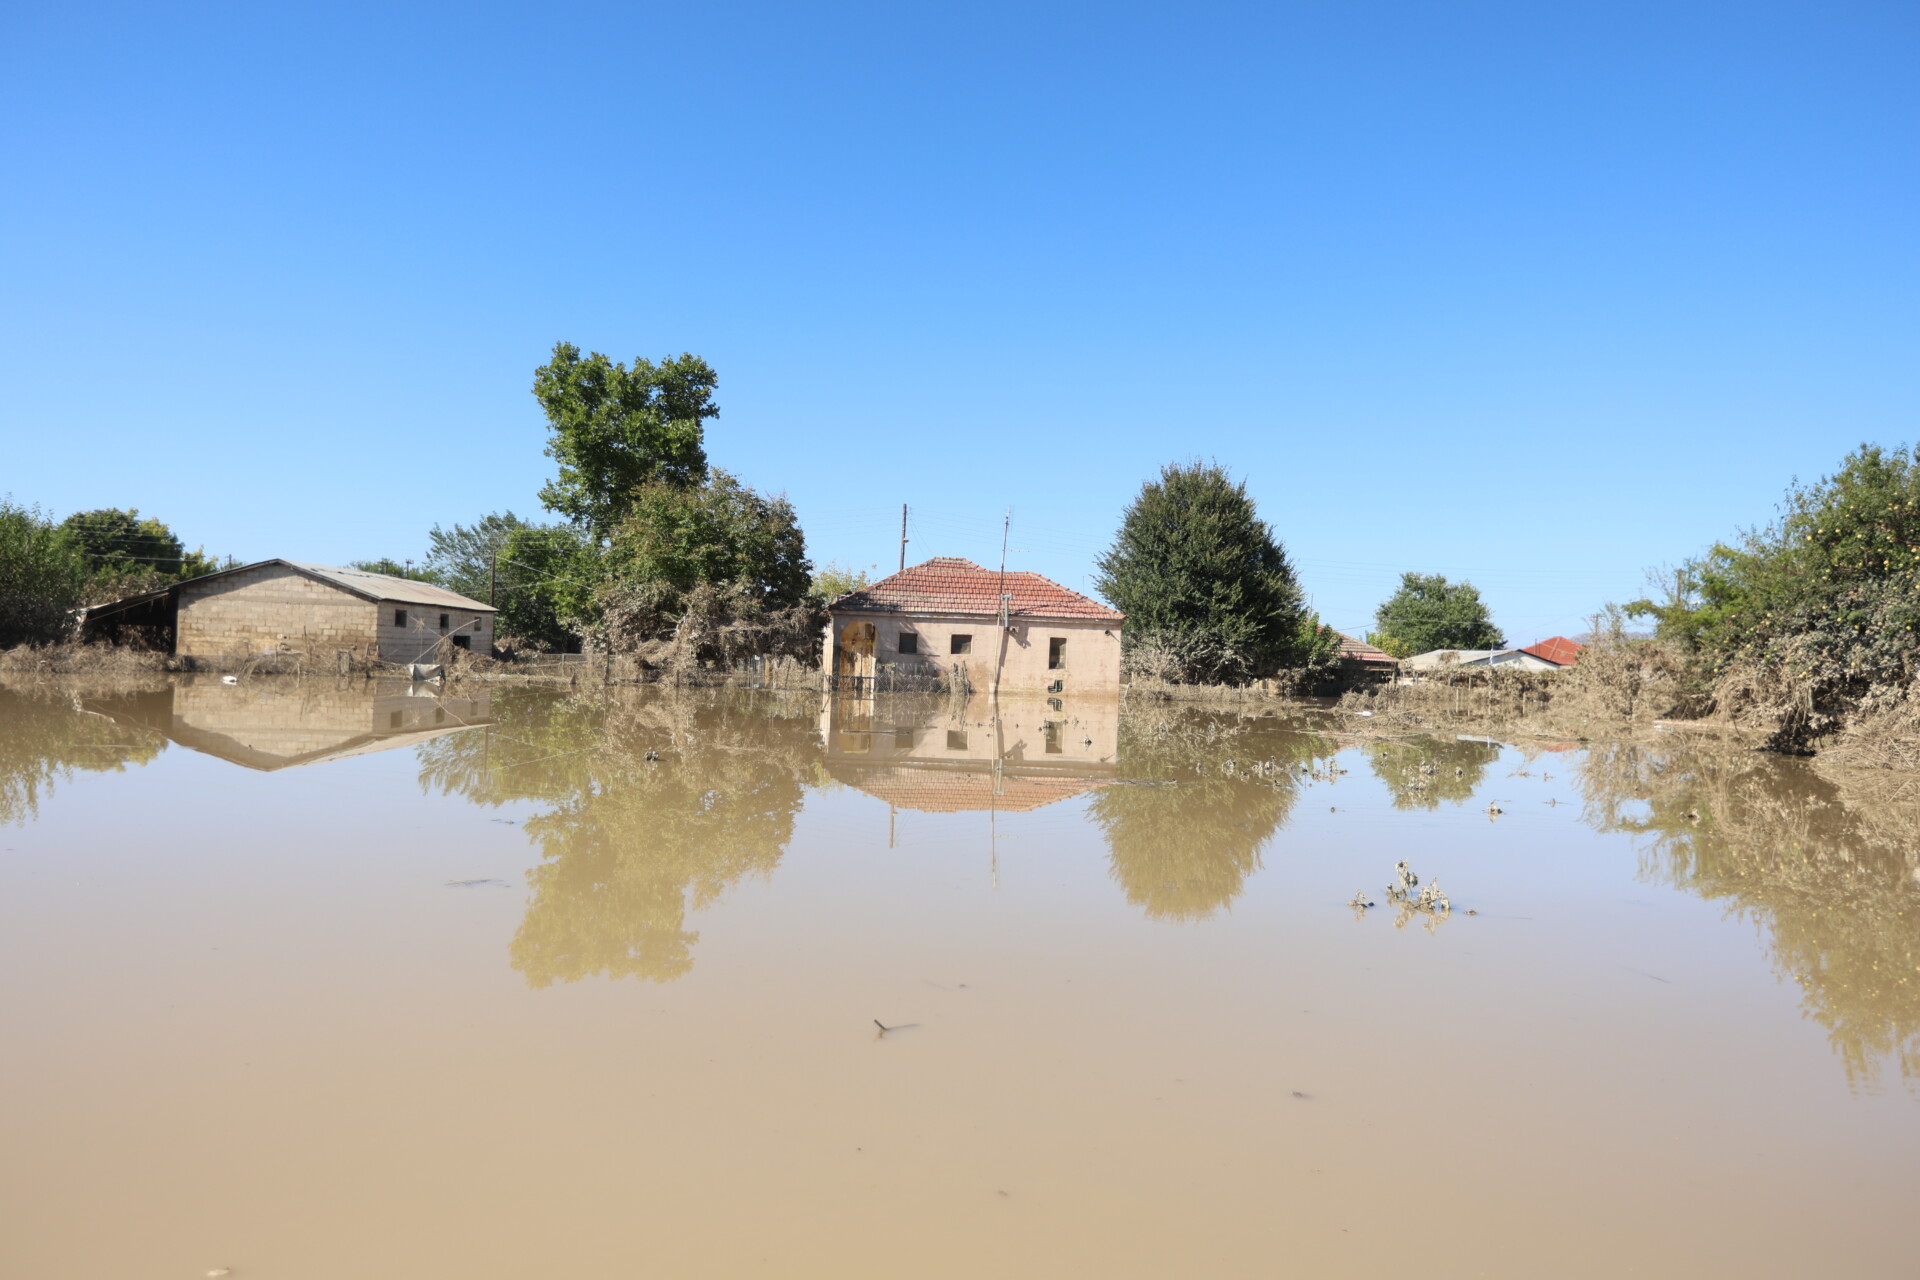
column 43, row 576
column 1429, row 613
column 466, row 558
column 744, row 548
column 617, row 427
column 548, row 593
column 119, row 541
column 1200, row 575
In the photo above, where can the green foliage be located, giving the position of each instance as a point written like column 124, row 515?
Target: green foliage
column 744, row 547
column 465, row 558
column 43, row 576
column 549, row 579
column 835, row 580
column 395, row 569
column 1429, row 613
column 117, row 542
column 1201, row 578
column 616, row 428
column 1820, row 609
column 49, row 738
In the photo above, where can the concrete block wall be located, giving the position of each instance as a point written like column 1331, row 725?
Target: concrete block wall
column 271, row 609
column 417, row 637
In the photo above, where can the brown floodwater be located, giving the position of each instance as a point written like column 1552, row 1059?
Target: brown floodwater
column 306, row 980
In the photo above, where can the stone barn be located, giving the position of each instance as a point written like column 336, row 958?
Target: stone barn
column 952, row 620
column 286, row 606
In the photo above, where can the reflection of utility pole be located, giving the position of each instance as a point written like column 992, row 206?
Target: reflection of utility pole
column 903, row 537
column 889, row 826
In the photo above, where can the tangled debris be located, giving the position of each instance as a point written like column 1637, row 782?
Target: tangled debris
column 1429, row 900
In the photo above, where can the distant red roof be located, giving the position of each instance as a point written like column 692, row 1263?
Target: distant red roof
column 1360, row 650
column 948, row 584
column 1560, row 651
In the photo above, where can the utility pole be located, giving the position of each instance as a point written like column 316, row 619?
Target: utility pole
column 903, row 537
column 493, row 570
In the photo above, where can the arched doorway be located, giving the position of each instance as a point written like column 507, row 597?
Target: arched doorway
column 853, row 658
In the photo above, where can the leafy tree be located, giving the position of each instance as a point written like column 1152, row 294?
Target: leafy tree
column 1815, row 614
column 616, row 428
column 394, row 569
column 835, row 580
column 1201, row 576
column 549, row 579
column 1429, row 613
column 466, row 557
column 744, row 548
column 117, row 541
column 43, row 576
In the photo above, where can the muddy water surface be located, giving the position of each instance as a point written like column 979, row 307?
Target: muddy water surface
column 314, row 982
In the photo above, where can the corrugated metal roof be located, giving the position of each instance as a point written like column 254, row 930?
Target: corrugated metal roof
column 949, row 584
column 381, row 586
column 370, row 586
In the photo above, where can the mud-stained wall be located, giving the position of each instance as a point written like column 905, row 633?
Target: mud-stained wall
column 415, row 632
column 1088, row 653
column 271, row 609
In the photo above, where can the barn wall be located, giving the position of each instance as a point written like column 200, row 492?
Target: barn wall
column 271, row 609
column 418, row 639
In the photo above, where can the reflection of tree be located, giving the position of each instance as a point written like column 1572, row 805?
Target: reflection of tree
column 1183, row 851
column 631, row 845
column 47, row 738
column 1828, row 869
column 1404, row 768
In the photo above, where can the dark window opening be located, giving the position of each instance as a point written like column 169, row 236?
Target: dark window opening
column 440, row 717
column 956, row 739
column 443, row 623
column 393, row 719
column 399, row 617
column 463, row 642
column 960, row 644
column 909, row 642
column 903, row 738
column 1057, row 653
column 1056, row 737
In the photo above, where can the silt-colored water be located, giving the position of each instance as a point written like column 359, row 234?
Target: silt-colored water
column 318, row 981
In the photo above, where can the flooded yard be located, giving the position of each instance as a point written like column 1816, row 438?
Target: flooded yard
column 315, row 980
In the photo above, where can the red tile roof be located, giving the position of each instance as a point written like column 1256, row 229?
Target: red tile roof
column 948, row 584
column 1560, row 651
column 1360, row 650
column 938, row 791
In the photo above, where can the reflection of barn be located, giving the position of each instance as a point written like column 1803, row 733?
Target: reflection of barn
column 269, row 725
column 284, row 606
column 939, row 758
column 950, row 620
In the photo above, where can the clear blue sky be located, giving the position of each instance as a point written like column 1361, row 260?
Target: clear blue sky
column 1541, row 295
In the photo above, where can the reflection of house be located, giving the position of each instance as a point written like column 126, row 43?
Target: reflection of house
column 950, row 618
column 943, row 758
column 1509, row 659
column 274, row 724
column 284, row 606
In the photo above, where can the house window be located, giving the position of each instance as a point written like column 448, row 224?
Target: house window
column 956, row 739
column 903, row 739
column 1057, row 653
column 443, row 624
column 399, row 617
column 393, row 719
column 960, row 644
column 479, row 624
column 463, row 642
column 1055, row 734
column 909, row 642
